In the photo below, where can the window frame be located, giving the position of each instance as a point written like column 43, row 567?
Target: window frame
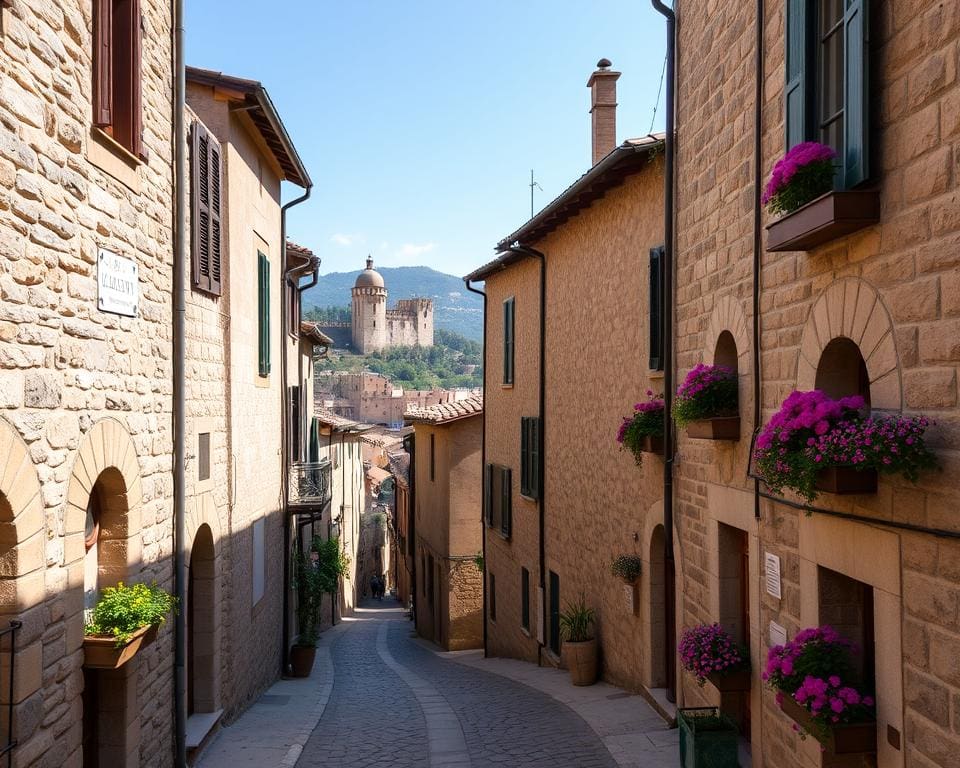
column 498, row 499
column 263, row 313
column 509, row 341
column 531, row 446
column 655, row 308
column 525, row 599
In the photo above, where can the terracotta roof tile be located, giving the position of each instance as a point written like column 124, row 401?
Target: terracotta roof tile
column 440, row 414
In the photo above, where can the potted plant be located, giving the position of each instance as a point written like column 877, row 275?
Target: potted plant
column 708, row 738
column 123, row 623
column 814, row 443
column 803, row 174
column 643, row 431
column 711, row 654
column 814, row 679
column 316, row 572
column 627, row 568
column 580, row 644
column 707, row 403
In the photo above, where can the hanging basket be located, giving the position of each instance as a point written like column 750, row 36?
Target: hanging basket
column 102, row 652
column 847, row 480
column 842, row 739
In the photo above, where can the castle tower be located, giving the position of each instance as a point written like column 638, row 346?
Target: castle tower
column 369, row 311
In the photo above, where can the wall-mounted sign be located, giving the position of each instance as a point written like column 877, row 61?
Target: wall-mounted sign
column 118, row 287
column 778, row 635
column 772, row 565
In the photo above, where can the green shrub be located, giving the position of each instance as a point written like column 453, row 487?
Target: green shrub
column 123, row 609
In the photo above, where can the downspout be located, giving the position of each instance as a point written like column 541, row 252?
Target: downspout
column 668, row 238
column 179, row 389
column 285, row 428
column 541, row 461
column 757, row 241
column 410, row 445
column 483, row 469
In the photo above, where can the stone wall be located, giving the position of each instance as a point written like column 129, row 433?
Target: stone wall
column 85, row 395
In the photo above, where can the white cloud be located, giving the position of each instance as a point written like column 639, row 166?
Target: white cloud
column 410, row 251
column 345, row 241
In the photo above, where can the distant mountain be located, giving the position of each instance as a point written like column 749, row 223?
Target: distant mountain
column 454, row 307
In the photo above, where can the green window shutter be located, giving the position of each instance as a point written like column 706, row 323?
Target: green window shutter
column 535, row 447
column 263, row 313
column 508, row 341
column 856, row 50
column 797, row 118
column 655, row 308
column 524, row 455
column 506, row 488
column 530, row 457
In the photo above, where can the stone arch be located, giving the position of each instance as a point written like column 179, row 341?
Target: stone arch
column 728, row 316
column 203, row 625
column 107, row 463
column 853, row 309
column 22, row 555
column 653, row 610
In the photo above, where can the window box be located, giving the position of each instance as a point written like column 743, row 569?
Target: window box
column 102, row 651
column 652, row 444
column 847, row 480
column 731, row 682
column 823, row 219
column 720, row 428
column 708, row 738
column 843, row 739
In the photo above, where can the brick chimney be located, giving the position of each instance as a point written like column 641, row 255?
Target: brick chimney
column 603, row 109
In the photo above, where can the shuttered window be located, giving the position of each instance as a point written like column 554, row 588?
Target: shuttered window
column 498, row 498
column 263, row 313
column 205, row 211
column 117, row 80
column 525, row 598
column 656, row 308
column 827, row 80
column 508, row 340
column 530, row 457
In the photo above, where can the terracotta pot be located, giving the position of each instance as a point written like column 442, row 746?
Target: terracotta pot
column 101, row 651
column 582, row 661
column 720, row 428
column 847, row 480
column 731, row 682
column 652, row 444
column 845, row 739
column 301, row 659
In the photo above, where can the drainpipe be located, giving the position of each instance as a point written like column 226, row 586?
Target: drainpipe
column 541, row 502
column 668, row 237
column 285, row 428
column 757, row 241
column 483, row 469
column 179, row 389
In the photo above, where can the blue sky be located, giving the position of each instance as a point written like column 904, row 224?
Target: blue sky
column 420, row 121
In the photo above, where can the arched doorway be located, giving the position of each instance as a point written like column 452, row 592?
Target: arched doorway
column 202, row 625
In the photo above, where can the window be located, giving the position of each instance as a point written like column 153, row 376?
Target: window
column 525, row 599
column 263, row 312
column 508, row 340
column 493, row 597
column 203, row 456
column 117, row 88
column 433, row 460
column 296, row 428
column 498, row 496
column 530, row 457
column 827, row 81
column 656, row 308
column 205, row 211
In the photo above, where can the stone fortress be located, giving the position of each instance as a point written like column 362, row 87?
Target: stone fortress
column 375, row 328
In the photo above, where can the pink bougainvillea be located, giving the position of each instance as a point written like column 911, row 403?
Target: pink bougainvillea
column 709, row 649
column 806, row 171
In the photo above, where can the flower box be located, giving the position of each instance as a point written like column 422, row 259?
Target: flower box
column 823, row 219
column 731, row 682
column 843, row 739
column 708, row 738
column 720, row 428
column 847, row 480
column 652, row 444
column 102, row 651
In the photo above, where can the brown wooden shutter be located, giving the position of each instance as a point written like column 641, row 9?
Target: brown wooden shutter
column 135, row 20
column 102, row 62
column 205, row 210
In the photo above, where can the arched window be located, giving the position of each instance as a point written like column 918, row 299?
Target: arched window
column 842, row 370
column 725, row 353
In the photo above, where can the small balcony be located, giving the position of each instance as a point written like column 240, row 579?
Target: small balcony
column 310, row 484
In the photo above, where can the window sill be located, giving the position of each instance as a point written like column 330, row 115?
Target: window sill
column 506, row 386
column 114, row 159
column 655, row 374
column 828, row 217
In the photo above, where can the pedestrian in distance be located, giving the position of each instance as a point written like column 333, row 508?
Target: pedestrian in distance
column 373, row 586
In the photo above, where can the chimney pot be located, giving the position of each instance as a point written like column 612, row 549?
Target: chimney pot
column 603, row 109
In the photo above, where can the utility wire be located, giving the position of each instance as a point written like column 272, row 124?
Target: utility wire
column 656, row 104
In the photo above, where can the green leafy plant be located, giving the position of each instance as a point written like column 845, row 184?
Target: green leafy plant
column 646, row 421
column 709, row 391
column 379, row 519
column 627, row 567
column 478, row 561
column 317, row 572
column 124, row 609
column 577, row 622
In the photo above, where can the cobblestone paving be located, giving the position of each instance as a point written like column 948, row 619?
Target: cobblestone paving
column 374, row 718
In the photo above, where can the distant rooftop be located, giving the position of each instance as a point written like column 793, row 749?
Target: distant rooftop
column 446, row 412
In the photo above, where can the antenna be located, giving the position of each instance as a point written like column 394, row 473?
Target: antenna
column 532, row 185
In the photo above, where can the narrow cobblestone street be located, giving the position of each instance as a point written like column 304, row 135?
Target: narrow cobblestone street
column 395, row 703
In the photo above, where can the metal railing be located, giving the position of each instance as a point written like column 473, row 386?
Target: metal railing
column 310, row 484
column 10, row 650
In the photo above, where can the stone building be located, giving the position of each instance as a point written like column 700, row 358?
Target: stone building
column 449, row 586
column 862, row 299
column 375, row 328
column 553, row 528
column 85, row 343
